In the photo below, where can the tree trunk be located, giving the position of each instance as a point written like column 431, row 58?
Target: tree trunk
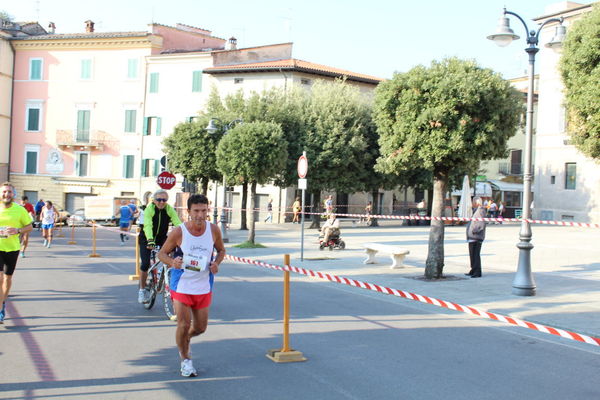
column 243, row 226
column 204, row 186
column 375, row 209
column 430, row 204
column 434, row 266
column 316, row 219
column 252, row 213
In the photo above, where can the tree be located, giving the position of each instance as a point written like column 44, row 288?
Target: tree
column 190, row 150
column 6, row 16
column 446, row 119
column 255, row 153
column 580, row 70
column 337, row 121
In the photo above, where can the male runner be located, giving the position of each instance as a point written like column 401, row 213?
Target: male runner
column 25, row 236
column 192, row 275
column 157, row 217
column 14, row 220
column 125, row 215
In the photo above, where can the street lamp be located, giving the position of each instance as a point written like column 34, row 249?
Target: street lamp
column 523, row 283
column 213, row 128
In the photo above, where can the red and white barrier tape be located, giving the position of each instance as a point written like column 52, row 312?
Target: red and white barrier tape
column 424, row 299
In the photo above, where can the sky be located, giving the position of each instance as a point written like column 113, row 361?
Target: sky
column 376, row 37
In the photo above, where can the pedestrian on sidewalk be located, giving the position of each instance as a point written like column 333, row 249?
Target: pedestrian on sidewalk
column 192, row 275
column 269, row 211
column 14, row 220
column 296, row 208
column 475, row 238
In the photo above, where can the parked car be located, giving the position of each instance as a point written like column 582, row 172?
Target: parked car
column 77, row 218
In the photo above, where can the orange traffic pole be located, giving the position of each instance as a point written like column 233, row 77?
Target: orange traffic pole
column 137, row 258
column 72, row 241
column 94, row 254
column 286, row 354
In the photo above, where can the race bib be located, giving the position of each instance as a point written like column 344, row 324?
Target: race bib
column 3, row 234
column 195, row 262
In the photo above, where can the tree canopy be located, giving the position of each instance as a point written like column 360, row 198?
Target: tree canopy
column 580, row 70
column 445, row 119
column 190, row 151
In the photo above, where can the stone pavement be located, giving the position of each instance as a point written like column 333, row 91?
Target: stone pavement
column 565, row 263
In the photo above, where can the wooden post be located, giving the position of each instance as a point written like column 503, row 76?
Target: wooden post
column 94, row 254
column 136, row 277
column 72, row 241
column 286, row 354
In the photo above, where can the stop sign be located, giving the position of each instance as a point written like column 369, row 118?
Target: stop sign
column 166, row 180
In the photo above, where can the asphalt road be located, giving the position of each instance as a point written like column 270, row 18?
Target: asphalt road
column 75, row 331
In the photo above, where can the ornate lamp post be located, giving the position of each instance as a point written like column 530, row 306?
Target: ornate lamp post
column 213, row 128
column 523, row 283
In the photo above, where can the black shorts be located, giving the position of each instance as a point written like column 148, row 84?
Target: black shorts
column 8, row 261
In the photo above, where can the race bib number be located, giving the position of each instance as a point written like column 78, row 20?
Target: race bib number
column 195, row 262
column 3, row 234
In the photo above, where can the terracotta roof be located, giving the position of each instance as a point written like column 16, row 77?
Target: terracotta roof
column 293, row 64
column 92, row 35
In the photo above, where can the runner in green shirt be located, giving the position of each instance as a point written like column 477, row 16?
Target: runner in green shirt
column 14, row 220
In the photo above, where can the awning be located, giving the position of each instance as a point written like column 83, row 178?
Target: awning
column 507, row 186
column 484, row 189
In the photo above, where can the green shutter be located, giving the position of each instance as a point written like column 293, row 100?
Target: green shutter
column 144, row 167
column 83, row 125
column 154, row 82
column 128, row 166
column 156, row 168
column 35, row 70
column 33, row 119
column 86, row 69
column 130, row 117
column 146, row 131
column 158, row 125
column 31, row 162
column 132, row 68
column 197, row 81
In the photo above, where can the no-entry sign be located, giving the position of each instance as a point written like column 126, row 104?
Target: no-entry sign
column 166, row 180
column 302, row 166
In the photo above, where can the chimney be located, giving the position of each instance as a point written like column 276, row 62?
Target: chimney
column 231, row 44
column 51, row 27
column 89, row 26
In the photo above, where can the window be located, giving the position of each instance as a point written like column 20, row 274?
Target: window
column 31, row 159
column 83, row 126
column 128, row 166
column 146, row 167
column 154, row 82
column 305, row 81
column 197, row 81
column 130, row 116
column 33, row 117
column 132, row 68
column 35, row 69
column 515, row 162
column 238, row 80
column 570, row 175
column 512, row 199
column 86, row 69
column 82, row 163
column 552, row 179
column 152, row 126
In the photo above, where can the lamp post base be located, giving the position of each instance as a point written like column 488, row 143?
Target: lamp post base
column 529, row 291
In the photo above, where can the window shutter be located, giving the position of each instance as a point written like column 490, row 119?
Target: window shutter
column 158, row 126
column 31, row 167
column 35, row 70
column 197, row 81
column 33, row 119
column 132, row 67
column 125, row 166
column 146, row 126
column 86, row 69
column 130, row 117
column 154, row 82
column 156, row 168
column 144, row 167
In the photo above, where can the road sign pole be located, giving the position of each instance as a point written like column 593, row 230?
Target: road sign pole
column 302, row 171
column 302, row 228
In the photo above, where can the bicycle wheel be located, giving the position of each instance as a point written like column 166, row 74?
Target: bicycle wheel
column 167, row 300
column 151, row 288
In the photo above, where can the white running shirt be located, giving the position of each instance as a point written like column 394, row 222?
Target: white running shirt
column 194, row 277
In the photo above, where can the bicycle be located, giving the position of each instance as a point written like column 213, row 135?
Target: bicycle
column 159, row 276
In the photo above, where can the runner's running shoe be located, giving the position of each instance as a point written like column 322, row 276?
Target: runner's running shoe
column 141, row 296
column 3, row 313
column 187, row 368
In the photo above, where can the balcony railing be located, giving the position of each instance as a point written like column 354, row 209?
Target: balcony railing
column 506, row 168
column 80, row 140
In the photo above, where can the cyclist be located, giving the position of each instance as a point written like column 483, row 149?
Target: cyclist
column 193, row 275
column 157, row 217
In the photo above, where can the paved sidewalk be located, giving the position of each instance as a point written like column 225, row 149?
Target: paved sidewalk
column 565, row 262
